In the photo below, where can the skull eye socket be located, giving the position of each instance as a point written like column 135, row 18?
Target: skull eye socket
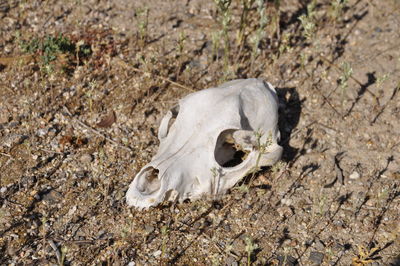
column 148, row 182
column 228, row 153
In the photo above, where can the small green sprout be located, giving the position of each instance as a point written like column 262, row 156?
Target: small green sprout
column 250, row 248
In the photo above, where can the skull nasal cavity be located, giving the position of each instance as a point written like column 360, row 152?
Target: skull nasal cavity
column 149, row 182
column 227, row 152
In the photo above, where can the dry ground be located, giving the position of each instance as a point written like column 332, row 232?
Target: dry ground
column 64, row 169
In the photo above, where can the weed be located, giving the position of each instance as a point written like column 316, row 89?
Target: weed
column 215, row 259
column 303, row 60
column 243, row 188
column 64, row 251
column 321, row 205
column 337, row 7
column 364, row 256
column 347, row 71
column 142, row 16
column 164, row 233
column 260, row 33
column 285, row 44
column 225, row 20
column 308, row 21
column 277, row 167
column 381, row 79
column 262, row 147
column 181, row 42
column 52, row 48
column 277, row 4
column 250, row 248
column 181, row 46
column 216, row 36
column 247, row 4
column 89, row 94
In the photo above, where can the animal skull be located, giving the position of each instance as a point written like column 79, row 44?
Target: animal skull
column 209, row 141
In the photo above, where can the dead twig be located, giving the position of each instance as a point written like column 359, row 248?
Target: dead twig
column 95, row 131
column 297, row 131
column 394, row 93
column 5, row 154
column 54, row 247
column 125, row 65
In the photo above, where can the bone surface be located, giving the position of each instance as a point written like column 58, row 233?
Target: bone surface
column 209, row 141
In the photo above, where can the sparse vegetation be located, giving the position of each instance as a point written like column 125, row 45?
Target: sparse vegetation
column 65, row 64
column 51, row 49
column 347, row 71
column 250, row 248
column 308, row 21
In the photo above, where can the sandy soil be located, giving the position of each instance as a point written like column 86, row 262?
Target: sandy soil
column 74, row 131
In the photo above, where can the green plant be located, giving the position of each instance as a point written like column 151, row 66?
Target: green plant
column 49, row 47
column 276, row 18
column 164, row 233
column 337, row 7
column 64, row 251
column 250, row 248
column 52, row 48
column 262, row 147
column 321, row 205
column 142, row 17
column 285, row 44
column 381, row 79
column 216, row 36
column 308, row 21
column 303, row 60
column 347, row 71
column 277, row 167
column 260, row 32
column 247, row 4
column 225, row 21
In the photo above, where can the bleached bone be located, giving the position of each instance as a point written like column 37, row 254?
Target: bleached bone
column 209, row 141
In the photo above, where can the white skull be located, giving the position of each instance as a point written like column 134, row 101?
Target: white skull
column 209, row 141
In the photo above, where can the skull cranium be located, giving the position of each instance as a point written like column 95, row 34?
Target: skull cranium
column 209, row 141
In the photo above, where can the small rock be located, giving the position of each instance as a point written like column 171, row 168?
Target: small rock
column 86, row 158
column 287, row 260
column 231, row 261
column 4, row 115
column 284, row 211
column 287, row 202
column 41, row 132
column 148, row 228
column 3, row 189
column 354, row 175
column 157, row 253
column 316, row 257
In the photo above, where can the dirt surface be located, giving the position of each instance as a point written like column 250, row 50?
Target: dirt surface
column 74, row 130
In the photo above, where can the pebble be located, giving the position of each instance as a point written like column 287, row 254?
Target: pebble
column 86, row 158
column 148, row 228
column 231, row 261
column 284, row 211
column 287, row 202
column 354, row 175
column 157, row 253
column 316, row 257
column 3, row 189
